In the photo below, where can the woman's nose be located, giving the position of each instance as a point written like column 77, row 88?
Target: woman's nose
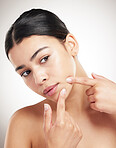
column 40, row 77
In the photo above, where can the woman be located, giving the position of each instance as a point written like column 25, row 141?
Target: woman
column 78, row 111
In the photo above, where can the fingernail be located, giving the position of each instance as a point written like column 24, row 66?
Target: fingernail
column 63, row 91
column 69, row 80
column 46, row 107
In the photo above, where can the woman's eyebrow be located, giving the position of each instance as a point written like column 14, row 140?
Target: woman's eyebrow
column 33, row 56
column 19, row 67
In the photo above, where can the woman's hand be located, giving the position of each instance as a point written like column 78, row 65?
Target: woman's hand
column 101, row 94
column 64, row 133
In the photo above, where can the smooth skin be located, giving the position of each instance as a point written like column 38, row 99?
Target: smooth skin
column 66, row 119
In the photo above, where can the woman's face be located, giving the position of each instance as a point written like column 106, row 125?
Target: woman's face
column 44, row 63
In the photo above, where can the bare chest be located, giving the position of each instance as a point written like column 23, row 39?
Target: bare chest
column 97, row 138
column 97, row 133
column 92, row 138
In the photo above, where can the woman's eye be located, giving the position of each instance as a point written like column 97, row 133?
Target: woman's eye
column 44, row 59
column 26, row 73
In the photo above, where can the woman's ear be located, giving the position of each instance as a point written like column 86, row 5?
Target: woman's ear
column 71, row 44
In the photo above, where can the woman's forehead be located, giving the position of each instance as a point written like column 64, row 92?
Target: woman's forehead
column 30, row 45
column 36, row 39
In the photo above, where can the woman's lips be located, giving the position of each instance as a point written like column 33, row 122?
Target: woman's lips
column 49, row 91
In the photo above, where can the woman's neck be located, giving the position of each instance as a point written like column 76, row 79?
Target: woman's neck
column 77, row 101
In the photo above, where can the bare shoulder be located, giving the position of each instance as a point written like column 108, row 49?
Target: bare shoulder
column 26, row 127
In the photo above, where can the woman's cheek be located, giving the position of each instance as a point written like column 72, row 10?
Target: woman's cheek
column 30, row 84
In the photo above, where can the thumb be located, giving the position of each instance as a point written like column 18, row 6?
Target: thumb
column 95, row 76
column 47, row 117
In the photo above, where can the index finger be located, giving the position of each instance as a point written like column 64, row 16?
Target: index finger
column 61, row 105
column 82, row 80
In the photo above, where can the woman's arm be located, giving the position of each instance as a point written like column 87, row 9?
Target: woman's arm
column 101, row 94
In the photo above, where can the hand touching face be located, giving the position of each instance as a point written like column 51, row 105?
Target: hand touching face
column 64, row 133
column 101, row 94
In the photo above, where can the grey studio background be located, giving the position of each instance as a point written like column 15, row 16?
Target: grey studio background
column 93, row 22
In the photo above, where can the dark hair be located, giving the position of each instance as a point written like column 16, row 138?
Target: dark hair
column 35, row 22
